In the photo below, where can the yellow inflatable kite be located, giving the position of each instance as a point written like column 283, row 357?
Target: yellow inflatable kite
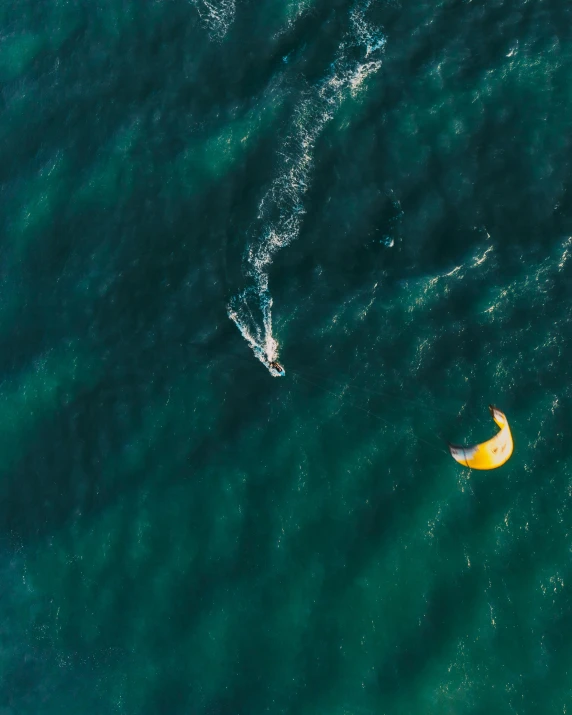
column 487, row 455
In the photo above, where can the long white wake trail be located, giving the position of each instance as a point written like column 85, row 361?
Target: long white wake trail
column 281, row 210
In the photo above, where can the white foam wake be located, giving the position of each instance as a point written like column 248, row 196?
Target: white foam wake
column 281, row 210
column 217, row 15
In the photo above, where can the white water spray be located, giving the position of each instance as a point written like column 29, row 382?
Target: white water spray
column 217, row 15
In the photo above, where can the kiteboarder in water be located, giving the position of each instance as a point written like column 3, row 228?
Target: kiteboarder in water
column 276, row 368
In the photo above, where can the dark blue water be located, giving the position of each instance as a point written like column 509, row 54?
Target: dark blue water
column 377, row 195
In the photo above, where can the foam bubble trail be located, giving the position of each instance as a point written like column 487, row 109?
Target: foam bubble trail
column 281, row 210
column 217, row 15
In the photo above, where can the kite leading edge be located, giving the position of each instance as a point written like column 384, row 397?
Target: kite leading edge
column 487, row 455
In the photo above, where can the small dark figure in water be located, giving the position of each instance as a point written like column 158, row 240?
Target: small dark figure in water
column 276, row 366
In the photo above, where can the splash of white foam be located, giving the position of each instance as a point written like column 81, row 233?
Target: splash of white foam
column 281, row 210
column 367, row 36
column 217, row 15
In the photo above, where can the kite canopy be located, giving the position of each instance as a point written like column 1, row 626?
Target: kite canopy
column 490, row 454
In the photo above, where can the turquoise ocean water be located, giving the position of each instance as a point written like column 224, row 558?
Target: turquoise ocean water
column 377, row 193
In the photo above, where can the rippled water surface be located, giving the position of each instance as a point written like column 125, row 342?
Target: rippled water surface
column 376, row 194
